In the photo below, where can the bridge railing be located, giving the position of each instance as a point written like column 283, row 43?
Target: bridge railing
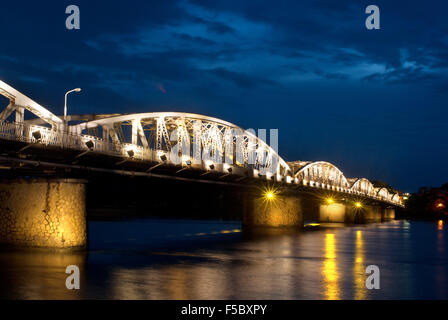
column 27, row 133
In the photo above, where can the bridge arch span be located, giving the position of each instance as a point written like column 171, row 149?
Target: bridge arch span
column 395, row 198
column 322, row 174
column 383, row 193
column 363, row 186
column 168, row 132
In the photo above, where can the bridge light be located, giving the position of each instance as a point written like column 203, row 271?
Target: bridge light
column 269, row 195
column 186, row 160
column 210, row 164
column 358, row 204
column 90, row 145
column 37, row 135
column 131, row 155
column 330, row 201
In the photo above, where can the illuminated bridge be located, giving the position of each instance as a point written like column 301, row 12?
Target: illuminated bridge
column 176, row 146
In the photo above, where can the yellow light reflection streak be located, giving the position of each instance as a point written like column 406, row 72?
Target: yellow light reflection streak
column 329, row 271
column 358, row 270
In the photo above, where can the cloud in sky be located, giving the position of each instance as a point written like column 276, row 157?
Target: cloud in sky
column 372, row 102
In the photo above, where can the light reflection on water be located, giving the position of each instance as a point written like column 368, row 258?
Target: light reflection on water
column 330, row 270
column 157, row 259
column 359, row 274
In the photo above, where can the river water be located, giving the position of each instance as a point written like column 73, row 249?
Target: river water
column 174, row 259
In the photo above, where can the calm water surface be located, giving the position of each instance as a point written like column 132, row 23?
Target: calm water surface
column 161, row 259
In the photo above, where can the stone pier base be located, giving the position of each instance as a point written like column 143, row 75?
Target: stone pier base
column 334, row 212
column 43, row 213
column 388, row 214
column 282, row 211
column 365, row 214
column 339, row 212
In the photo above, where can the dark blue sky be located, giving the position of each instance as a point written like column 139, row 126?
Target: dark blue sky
column 374, row 103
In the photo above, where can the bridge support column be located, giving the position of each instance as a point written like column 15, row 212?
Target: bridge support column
column 372, row 214
column 364, row 214
column 43, row 213
column 281, row 211
column 387, row 214
column 334, row 212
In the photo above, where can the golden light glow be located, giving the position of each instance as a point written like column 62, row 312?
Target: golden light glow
column 440, row 205
column 312, row 225
column 329, row 269
column 440, row 225
column 269, row 193
column 359, row 269
column 358, row 204
column 330, row 201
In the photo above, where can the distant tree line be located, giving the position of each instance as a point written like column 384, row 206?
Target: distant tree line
column 427, row 204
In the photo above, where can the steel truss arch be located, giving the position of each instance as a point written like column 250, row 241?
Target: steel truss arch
column 395, row 198
column 212, row 135
column 18, row 103
column 323, row 174
column 363, row 186
column 383, row 193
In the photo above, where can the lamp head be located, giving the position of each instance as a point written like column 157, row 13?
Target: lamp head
column 90, row 145
column 37, row 135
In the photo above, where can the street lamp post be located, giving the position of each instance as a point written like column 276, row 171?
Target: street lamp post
column 65, row 104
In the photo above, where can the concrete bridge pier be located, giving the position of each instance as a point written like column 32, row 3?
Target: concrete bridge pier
column 43, row 213
column 387, row 214
column 279, row 211
column 364, row 214
column 334, row 212
column 343, row 213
